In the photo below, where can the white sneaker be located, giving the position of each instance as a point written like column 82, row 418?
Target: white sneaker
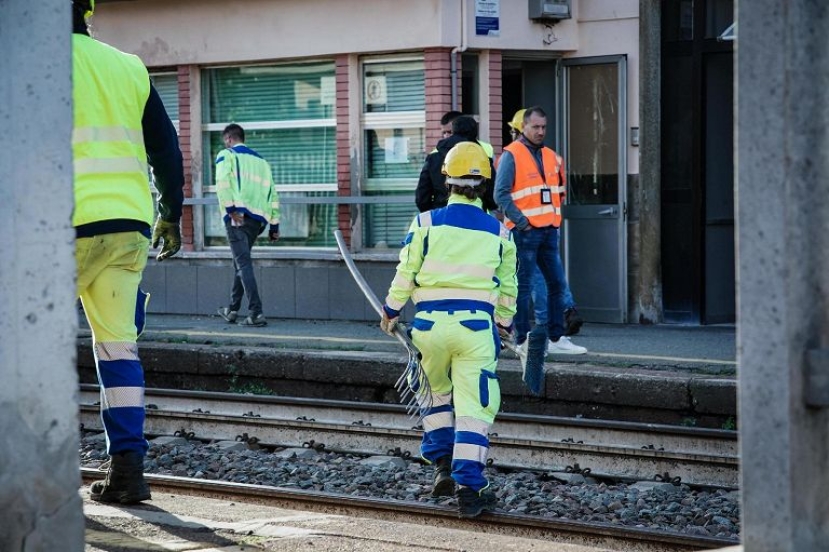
column 564, row 347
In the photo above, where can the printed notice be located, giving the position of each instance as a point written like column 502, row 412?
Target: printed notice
column 397, row 149
column 487, row 14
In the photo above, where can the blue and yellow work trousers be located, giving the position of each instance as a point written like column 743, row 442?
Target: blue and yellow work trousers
column 460, row 354
column 109, row 272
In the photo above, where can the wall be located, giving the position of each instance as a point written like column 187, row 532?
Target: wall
column 290, row 288
column 217, row 32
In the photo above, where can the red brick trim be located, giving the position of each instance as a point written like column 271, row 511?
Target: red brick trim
column 496, row 100
column 438, row 65
column 186, row 137
column 343, row 140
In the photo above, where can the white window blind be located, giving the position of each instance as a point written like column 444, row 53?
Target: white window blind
column 166, row 84
column 394, row 119
column 287, row 112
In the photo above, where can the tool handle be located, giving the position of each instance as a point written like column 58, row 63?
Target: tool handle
column 367, row 291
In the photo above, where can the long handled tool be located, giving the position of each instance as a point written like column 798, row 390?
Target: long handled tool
column 412, row 385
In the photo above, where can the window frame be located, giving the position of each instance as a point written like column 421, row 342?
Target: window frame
column 388, row 120
column 207, row 184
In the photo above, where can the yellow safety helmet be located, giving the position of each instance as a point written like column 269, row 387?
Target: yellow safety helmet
column 88, row 4
column 517, row 122
column 466, row 164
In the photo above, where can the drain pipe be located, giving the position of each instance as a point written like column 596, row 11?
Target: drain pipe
column 453, row 57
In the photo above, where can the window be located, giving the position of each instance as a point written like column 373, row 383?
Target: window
column 394, row 119
column 678, row 20
column 470, row 77
column 166, row 84
column 719, row 14
column 287, row 111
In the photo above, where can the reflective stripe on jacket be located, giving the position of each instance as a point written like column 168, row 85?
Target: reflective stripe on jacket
column 109, row 89
column 526, row 190
column 457, row 258
column 244, row 183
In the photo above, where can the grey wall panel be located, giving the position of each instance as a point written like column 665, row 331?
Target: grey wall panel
column 312, row 294
column 346, row 296
column 289, row 288
column 277, row 286
column 213, row 283
column 181, row 288
column 153, row 283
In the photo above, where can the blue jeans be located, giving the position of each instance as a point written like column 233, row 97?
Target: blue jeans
column 539, row 296
column 241, row 240
column 538, row 247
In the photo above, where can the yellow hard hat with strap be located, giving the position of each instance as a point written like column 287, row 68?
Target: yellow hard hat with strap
column 87, row 5
column 466, row 164
column 517, row 122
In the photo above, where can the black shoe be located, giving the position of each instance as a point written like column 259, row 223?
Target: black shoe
column 443, row 485
column 572, row 321
column 472, row 503
column 124, row 481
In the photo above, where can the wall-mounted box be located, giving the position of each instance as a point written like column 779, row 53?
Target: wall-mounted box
column 549, row 10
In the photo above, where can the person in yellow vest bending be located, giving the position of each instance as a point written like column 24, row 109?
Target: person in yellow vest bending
column 119, row 123
column 530, row 190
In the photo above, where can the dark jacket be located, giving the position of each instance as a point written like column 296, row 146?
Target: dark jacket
column 431, row 192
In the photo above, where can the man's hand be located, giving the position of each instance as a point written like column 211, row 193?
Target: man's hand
column 505, row 332
column 388, row 324
column 168, row 233
column 273, row 233
column 238, row 217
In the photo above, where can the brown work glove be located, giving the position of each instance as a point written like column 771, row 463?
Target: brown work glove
column 169, row 235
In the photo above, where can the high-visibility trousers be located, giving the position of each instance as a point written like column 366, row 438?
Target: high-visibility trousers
column 460, row 354
column 109, row 272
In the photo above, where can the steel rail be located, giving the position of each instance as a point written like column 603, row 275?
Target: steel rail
column 529, row 446
column 631, row 539
column 507, row 425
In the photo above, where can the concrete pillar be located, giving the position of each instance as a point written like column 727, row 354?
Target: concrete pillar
column 783, row 272
column 40, row 508
column 646, row 210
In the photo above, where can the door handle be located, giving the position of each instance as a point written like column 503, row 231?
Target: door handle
column 608, row 212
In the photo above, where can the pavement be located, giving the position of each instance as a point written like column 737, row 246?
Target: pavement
column 196, row 524
column 655, row 374
column 697, row 349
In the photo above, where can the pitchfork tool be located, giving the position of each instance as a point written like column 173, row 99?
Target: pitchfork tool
column 412, row 385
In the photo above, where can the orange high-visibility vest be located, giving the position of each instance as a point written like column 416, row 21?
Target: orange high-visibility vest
column 526, row 190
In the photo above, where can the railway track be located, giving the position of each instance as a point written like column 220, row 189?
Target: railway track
column 570, row 532
column 609, row 449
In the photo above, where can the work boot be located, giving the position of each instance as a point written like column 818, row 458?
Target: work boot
column 472, row 503
column 124, row 481
column 444, row 485
column 572, row 321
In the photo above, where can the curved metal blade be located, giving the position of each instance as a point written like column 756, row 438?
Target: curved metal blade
column 412, row 385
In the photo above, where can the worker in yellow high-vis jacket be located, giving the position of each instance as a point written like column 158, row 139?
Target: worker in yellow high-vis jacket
column 458, row 267
column 119, row 124
column 248, row 202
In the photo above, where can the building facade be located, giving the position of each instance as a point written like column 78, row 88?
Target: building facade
column 344, row 98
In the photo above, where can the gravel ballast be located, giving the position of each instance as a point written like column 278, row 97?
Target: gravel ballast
column 677, row 508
